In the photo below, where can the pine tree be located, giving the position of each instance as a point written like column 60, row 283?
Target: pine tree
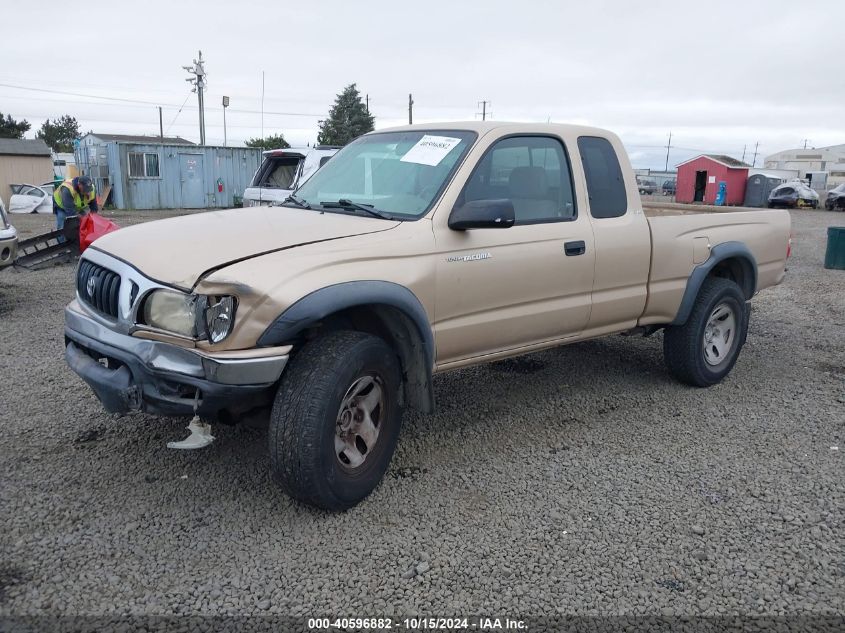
column 11, row 128
column 60, row 134
column 348, row 119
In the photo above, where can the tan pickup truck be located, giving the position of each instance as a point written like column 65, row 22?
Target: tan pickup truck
column 415, row 250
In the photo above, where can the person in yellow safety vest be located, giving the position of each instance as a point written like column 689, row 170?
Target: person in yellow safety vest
column 71, row 198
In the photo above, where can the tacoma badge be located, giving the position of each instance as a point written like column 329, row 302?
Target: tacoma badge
column 468, row 258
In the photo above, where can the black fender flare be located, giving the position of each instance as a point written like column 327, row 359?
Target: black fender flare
column 321, row 303
column 719, row 253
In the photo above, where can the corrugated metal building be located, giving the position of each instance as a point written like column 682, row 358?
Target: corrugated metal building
column 175, row 176
column 91, row 153
column 151, row 175
column 699, row 178
column 23, row 161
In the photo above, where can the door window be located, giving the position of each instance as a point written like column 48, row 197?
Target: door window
column 533, row 172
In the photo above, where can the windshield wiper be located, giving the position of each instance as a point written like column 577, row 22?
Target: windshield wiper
column 302, row 204
column 343, row 203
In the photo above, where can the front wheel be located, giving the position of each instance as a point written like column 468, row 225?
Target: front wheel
column 703, row 350
column 336, row 419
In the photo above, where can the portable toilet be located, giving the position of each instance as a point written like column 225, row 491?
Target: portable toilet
column 759, row 187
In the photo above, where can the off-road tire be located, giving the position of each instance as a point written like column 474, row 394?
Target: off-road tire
column 303, row 459
column 683, row 345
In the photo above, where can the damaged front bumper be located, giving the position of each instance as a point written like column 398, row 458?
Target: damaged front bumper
column 129, row 373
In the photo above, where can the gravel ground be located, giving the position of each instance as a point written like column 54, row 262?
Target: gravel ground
column 579, row 480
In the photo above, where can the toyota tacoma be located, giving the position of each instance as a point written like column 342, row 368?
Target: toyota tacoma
column 414, row 251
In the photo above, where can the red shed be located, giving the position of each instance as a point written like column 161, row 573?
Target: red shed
column 699, row 178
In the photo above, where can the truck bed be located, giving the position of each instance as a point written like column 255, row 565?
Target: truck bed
column 683, row 235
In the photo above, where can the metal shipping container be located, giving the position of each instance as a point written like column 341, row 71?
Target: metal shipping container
column 152, row 176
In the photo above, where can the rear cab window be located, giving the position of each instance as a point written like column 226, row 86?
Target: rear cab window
column 605, row 183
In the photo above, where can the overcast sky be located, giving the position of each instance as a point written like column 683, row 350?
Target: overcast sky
column 719, row 75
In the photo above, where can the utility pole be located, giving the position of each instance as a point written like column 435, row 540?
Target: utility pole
column 668, row 145
column 198, row 82
column 483, row 105
column 754, row 162
column 160, row 126
column 368, row 103
column 225, row 105
column 806, row 140
column 410, row 109
column 262, row 104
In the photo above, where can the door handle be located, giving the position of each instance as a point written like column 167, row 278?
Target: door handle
column 574, row 248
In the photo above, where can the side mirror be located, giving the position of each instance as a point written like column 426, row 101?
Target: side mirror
column 483, row 214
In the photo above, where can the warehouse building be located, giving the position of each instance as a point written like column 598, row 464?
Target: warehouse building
column 823, row 168
column 699, row 178
column 23, row 161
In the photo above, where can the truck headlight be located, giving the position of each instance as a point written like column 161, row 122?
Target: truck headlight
column 219, row 317
column 172, row 311
column 190, row 315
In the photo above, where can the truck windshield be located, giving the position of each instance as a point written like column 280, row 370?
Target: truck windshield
column 399, row 173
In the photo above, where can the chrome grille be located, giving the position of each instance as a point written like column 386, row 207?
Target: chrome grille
column 98, row 287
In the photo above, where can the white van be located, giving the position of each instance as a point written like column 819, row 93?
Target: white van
column 283, row 170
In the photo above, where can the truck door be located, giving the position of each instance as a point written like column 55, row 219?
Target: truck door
column 501, row 289
column 623, row 239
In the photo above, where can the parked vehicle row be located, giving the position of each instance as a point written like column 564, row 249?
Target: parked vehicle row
column 648, row 187
column 414, row 250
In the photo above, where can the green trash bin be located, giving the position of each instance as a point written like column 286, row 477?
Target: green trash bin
column 835, row 255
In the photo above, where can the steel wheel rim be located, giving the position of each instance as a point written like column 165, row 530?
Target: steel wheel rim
column 720, row 334
column 359, row 421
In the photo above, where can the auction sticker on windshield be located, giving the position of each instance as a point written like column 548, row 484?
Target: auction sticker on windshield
column 430, row 150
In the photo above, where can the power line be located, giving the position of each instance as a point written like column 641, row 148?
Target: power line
column 150, row 103
column 178, row 113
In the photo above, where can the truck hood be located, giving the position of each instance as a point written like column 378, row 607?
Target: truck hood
column 179, row 251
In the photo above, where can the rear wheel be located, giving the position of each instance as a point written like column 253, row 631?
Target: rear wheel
column 704, row 350
column 336, row 419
